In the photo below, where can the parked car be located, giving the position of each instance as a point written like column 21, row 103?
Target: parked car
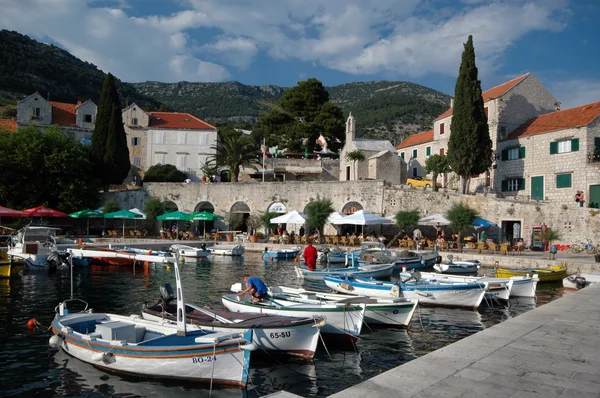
column 419, row 182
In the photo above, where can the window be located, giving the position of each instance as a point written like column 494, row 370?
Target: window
column 564, row 146
column 137, row 161
column 203, row 139
column 442, row 151
column 182, row 161
column 564, row 180
column 402, row 155
column 160, row 137
column 135, row 141
column 160, row 158
column 87, row 118
column 596, row 145
column 441, row 128
column 513, row 153
column 513, row 184
column 428, row 151
column 347, row 173
column 503, row 131
column 415, row 153
column 414, row 172
column 35, row 112
column 134, row 121
column 182, row 139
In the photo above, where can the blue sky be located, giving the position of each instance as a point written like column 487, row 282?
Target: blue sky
column 337, row 41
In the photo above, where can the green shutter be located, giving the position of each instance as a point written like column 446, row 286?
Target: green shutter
column 596, row 145
column 414, row 153
column 521, row 184
column 574, row 144
column 402, row 155
column 564, row 180
column 553, row 148
column 505, row 154
column 522, row 152
column 504, row 185
column 428, row 152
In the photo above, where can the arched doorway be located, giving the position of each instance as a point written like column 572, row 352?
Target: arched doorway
column 238, row 215
column 349, row 208
column 205, row 206
column 170, row 206
column 205, row 227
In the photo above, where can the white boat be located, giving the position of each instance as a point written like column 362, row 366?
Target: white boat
column 458, row 267
column 123, row 256
column 364, row 271
column 382, row 311
column 467, row 295
column 343, row 322
column 33, row 245
column 189, row 252
column 288, row 253
column 271, row 334
column 581, row 280
column 135, row 346
column 499, row 289
column 227, row 250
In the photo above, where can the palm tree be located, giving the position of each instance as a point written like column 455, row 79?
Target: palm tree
column 405, row 219
column 355, row 157
column 265, row 219
column 318, row 211
column 461, row 219
column 550, row 235
column 236, row 151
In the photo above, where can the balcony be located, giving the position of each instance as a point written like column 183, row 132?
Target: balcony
column 594, row 157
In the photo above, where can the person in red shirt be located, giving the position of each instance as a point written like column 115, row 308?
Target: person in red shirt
column 310, row 256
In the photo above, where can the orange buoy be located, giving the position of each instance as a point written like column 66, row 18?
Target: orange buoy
column 295, row 259
column 31, row 323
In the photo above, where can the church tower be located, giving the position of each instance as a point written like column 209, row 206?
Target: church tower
column 350, row 129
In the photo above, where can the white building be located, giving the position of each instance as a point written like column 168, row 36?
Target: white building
column 180, row 139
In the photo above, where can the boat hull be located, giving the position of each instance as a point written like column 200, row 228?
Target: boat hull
column 497, row 289
column 367, row 271
column 227, row 250
column 283, row 254
column 581, row 280
column 553, row 273
column 458, row 267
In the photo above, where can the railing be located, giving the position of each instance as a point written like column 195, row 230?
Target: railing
column 593, row 157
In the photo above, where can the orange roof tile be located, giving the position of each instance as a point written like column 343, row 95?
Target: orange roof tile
column 8, row 124
column 63, row 114
column 492, row 93
column 416, row 139
column 176, row 120
column 559, row 120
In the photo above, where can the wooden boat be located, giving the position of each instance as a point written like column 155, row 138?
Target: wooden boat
column 364, row 271
column 124, row 256
column 8, row 267
column 271, row 334
column 376, row 253
column 227, row 250
column 343, row 322
column 135, row 346
column 389, row 311
column 552, row 273
column 468, row 295
column 281, row 254
column 189, row 252
column 581, row 280
column 332, row 256
column 458, row 267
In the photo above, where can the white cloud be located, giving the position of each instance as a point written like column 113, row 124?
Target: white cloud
column 575, row 92
column 236, row 51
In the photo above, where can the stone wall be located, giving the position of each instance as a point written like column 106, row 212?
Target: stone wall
column 572, row 223
column 25, row 111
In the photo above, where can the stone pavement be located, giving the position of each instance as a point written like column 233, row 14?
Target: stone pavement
column 551, row 351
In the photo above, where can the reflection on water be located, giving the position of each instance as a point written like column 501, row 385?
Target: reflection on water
column 28, row 367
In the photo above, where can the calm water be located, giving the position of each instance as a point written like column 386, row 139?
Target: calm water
column 29, row 367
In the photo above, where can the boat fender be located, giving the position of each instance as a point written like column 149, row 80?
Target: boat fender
column 55, row 341
column 395, row 291
column 580, row 282
column 106, row 357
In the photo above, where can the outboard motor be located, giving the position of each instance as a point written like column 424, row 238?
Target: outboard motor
column 416, row 275
column 580, row 282
column 166, row 294
column 203, row 247
column 438, row 259
column 56, row 261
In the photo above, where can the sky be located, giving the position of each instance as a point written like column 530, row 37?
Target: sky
column 336, row 41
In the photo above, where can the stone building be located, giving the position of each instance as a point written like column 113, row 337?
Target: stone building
column 77, row 120
column 180, row 139
column 552, row 156
column 414, row 151
column 507, row 106
column 375, row 164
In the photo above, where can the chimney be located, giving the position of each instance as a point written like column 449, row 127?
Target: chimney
column 451, row 102
column 78, row 101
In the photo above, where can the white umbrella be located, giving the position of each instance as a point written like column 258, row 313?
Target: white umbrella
column 336, row 215
column 293, row 217
column 434, row 219
column 363, row 217
column 138, row 211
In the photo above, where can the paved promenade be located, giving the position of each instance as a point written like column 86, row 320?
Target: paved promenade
column 551, row 351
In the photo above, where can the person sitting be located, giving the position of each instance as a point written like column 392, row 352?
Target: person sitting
column 255, row 287
column 406, row 237
column 440, row 239
column 382, row 239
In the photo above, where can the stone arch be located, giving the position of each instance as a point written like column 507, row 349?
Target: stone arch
column 351, row 208
column 243, row 209
column 205, row 206
column 170, row 206
column 277, row 207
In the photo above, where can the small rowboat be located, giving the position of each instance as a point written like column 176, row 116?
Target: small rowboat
column 458, row 267
column 364, row 271
column 552, row 273
column 581, row 280
column 281, row 254
column 227, row 250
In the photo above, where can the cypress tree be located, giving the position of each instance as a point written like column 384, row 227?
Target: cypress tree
column 109, row 141
column 470, row 146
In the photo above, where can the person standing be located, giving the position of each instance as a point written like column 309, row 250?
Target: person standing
column 310, row 256
column 256, row 287
column 581, row 199
column 301, row 232
column 578, row 198
column 417, row 235
column 483, row 236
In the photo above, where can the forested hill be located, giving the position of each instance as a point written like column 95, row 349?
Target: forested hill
column 383, row 109
column 27, row 66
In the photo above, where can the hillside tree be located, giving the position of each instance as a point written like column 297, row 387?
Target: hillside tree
column 470, row 146
column 436, row 165
column 301, row 115
column 109, row 142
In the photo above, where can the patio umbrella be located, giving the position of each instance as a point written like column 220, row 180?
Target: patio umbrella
column 42, row 211
column 138, row 211
column 87, row 213
column 434, row 219
column 123, row 214
column 204, row 216
column 174, row 216
column 363, row 217
column 336, row 215
column 6, row 212
column 482, row 223
column 293, row 217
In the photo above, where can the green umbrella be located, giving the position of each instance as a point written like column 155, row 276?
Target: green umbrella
column 174, row 216
column 204, row 216
column 122, row 214
column 87, row 213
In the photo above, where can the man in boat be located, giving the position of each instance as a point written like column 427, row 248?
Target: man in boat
column 310, row 256
column 256, row 287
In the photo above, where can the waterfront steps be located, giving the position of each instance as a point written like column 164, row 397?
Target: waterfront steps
column 551, row 351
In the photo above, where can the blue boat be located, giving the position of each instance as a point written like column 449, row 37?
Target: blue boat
column 367, row 271
column 281, row 254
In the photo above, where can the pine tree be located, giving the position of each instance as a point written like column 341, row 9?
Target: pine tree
column 470, row 146
column 109, row 142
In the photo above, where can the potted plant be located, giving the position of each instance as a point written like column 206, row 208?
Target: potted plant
column 254, row 222
column 234, row 220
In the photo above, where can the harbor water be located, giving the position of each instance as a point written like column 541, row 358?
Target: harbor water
column 29, row 367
